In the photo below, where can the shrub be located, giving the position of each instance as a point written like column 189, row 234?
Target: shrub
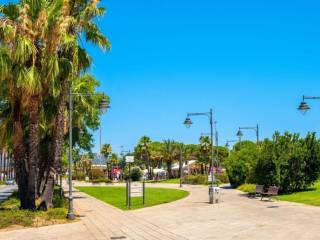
column 136, row 174
column 79, row 176
column 97, row 173
column 247, row 188
column 99, row 180
column 240, row 165
column 222, row 177
column 196, row 179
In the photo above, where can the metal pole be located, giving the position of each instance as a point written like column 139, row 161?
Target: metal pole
column 70, row 214
column 212, row 162
column 180, row 167
column 257, row 133
column 100, row 136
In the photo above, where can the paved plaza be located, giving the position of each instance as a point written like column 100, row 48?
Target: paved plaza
column 237, row 217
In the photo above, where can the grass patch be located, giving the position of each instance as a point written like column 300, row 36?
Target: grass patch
column 116, row 196
column 247, row 188
column 2, row 183
column 310, row 197
column 170, row 181
column 10, row 214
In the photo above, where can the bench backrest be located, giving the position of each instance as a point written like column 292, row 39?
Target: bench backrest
column 273, row 190
column 259, row 188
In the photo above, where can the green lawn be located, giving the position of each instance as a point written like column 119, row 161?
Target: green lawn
column 116, row 196
column 309, row 197
column 171, row 181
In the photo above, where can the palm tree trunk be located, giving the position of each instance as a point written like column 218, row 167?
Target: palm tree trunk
column 33, row 151
column 54, row 165
column 169, row 169
column 19, row 155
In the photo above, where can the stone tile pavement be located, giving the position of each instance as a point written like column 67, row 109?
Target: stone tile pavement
column 237, row 217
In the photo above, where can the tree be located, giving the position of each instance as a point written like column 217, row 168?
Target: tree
column 171, row 153
column 204, row 152
column 39, row 56
column 142, row 152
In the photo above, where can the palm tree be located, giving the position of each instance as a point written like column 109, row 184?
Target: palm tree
column 143, row 152
column 39, row 55
column 171, row 153
column 204, row 152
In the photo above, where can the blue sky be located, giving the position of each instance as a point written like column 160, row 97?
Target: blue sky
column 250, row 61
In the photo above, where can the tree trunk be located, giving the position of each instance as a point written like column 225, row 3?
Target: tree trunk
column 33, row 151
column 169, row 169
column 54, row 166
column 19, row 155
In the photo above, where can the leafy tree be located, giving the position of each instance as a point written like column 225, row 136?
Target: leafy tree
column 39, row 57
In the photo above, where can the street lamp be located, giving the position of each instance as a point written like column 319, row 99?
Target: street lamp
column 103, row 105
column 240, row 133
column 304, row 107
column 188, row 122
column 229, row 141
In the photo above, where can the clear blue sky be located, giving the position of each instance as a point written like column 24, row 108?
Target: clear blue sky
column 250, row 61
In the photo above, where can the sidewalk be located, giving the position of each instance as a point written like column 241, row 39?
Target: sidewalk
column 236, row 217
column 97, row 221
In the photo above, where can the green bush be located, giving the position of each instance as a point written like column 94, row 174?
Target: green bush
column 196, row 179
column 99, row 180
column 241, row 163
column 289, row 161
column 97, row 173
column 136, row 174
column 247, row 188
column 222, row 177
column 79, row 176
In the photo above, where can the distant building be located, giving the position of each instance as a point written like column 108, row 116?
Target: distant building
column 99, row 161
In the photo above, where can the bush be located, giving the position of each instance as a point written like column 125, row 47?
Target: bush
column 240, row 165
column 136, row 174
column 289, row 161
column 222, row 177
column 97, row 173
column 99, row 180
column 247, row 188
column 196, row 179
column 79, row 176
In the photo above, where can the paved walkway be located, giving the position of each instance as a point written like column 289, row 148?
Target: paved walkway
column 237, row 217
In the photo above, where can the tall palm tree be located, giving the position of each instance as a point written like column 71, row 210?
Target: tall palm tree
column 143, row 152
column 171, row 153
column 204, row 152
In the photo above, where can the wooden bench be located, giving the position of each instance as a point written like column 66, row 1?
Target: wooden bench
column 272, row 191
column 256, row 192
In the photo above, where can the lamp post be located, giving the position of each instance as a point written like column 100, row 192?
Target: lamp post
column 103, row 105
column 188, row 124
column 230, row 141
column 256, row 129
column 181, row 163
column 304, row 107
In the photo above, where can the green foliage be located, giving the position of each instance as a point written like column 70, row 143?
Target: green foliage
column 222, row 177
column 136, row 174
column 288, row 161
column 247, row 188
column 240, row 164
column 97, row 173
column 80, row 176
column 196, row 179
